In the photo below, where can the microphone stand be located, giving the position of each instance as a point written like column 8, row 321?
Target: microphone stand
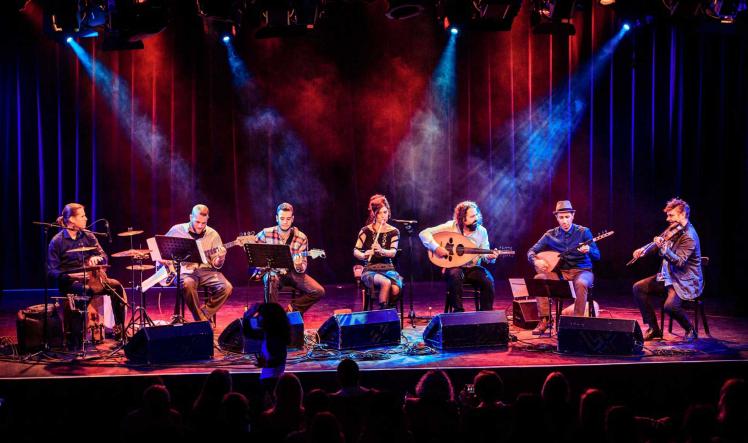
column 408, row 226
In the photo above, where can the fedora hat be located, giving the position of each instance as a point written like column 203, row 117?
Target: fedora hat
column 563, row 206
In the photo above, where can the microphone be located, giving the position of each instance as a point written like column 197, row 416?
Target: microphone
column 405, row 222
column 108, row 232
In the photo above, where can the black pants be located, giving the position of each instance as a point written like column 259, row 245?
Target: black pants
column 311, row 291
column 476, row 275
column 648, row 287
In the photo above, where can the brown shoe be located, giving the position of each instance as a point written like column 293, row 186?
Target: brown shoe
column 541, row 328
column 652, row 334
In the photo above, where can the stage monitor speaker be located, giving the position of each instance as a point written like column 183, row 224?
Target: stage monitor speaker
column 361, row 330
column 467, row 330
column 172, row 343
column 525, row 314
column 234, row 339
column 592, row 335
column 30, row 326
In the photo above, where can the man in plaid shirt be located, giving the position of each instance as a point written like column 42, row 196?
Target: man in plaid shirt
column 285, row 234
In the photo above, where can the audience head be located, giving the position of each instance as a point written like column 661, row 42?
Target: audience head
column 288, row 392
column 348, row 373
column 235, row 408
column 315, row 401
column 435, row 385
column 325, row 428
column 217, row 384
column 733, row 401
column 620, row 425
column 592, row 406
column 156, row 399
column 555, row 389
column 700, row 423
column 488, row 386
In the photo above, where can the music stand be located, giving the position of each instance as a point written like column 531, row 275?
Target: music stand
column 180, row 250
column 557, row 290
column 268, row 258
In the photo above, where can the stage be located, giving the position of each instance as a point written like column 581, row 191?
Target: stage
column 728, row 341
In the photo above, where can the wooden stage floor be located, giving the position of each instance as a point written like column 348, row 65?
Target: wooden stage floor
column 728, row 343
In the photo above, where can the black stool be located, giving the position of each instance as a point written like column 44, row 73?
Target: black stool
column 469, row 291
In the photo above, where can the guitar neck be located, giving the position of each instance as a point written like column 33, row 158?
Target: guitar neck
column 230, row 244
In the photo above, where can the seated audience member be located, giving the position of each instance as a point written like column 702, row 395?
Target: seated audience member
column 155, row 421
column 351, row 402
column 491, row 419
column 732, row 411
column 433, row 415
column 592, row 406
column 205, row 410
column 558, row 414
column 287, row 415
column 385, row 421
column 235, row 423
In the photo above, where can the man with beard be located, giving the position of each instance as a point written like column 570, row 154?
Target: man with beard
column 468, row 221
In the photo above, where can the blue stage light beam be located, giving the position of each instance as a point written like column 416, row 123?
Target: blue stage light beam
column 290, row 175
column 148, row 141
column 539, row 141
column 423, row 156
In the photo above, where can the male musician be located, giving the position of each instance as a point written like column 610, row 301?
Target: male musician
column 680, row 275
column 60, row 261
column 208, row 275
column 468, row 221
column 283, row 233
column 575, row 266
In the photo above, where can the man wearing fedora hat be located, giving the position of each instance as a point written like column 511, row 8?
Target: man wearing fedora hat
column 575, row 266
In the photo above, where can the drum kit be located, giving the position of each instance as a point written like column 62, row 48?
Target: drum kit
column 81, row 322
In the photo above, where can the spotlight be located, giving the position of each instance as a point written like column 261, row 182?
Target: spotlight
column 552, row 17
column 69, row 39
column 221, row 17
column 626, row 26
column 226, row 39
column 287, row 18
column 404, row 9
column 726, row 11
column 480, row 15
column 132, row 20
column 454, row 31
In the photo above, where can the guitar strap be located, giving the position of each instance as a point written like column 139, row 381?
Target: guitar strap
column 290, row 236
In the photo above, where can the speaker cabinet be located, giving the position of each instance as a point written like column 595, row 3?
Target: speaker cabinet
column 592, row 335
column 467, row 330
column 236, row 339
column 172, row 343
column 525, row 314
column 361, row 329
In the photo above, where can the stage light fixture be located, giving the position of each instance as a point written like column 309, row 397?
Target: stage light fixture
column 726, row 11
column 626, row 26
column 282, row 18
column 130, row 21
column 222, row 17
column 69, row 40
column 226, row 39
column 553, row 16
column 404, row 9
column 454, row 31
column 479, row 15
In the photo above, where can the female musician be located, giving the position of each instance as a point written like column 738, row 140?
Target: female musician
column 376, row 246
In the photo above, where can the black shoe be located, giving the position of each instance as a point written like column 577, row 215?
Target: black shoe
column 691, row 334
column 652, row 334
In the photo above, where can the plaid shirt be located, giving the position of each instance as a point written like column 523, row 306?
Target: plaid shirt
column 298, row 245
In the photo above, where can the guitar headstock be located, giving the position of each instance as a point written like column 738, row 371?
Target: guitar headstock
column 317, row 253
column 246, row 237
column 603, row 234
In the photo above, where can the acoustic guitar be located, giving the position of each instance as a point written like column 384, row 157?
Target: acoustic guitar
column 461, row 250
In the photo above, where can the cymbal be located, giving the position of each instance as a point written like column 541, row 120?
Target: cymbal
column 87, row 269
column 80, row 249
column 129, row 233
column 131, row 253
column 139, row 267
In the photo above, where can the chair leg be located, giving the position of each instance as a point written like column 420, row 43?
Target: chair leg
column 662, row 319
column 670, row 324
column 703, row 318
column 476, row 298
column 696, row 318
column 446, row 303
column 591, row 308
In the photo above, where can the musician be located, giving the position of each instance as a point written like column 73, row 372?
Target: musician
column 575, row 266
column 284, row 233
column 468, row 221
column 376, row 246
column 203, row 275
column 60, row 262
column 680, row 276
